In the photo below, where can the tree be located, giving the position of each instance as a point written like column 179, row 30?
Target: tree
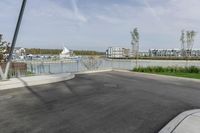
column 182, row 39
column 135, row 43
column 190, row 41
column 187, row 42
column 192, row 35
column 4, row 46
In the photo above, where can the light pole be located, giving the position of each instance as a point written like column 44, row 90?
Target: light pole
column 14, row 39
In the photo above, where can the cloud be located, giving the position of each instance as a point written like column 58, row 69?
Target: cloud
column 109, row 19
column 77, row 13
column 52, row 9
column 101, row 23
column 151, row 9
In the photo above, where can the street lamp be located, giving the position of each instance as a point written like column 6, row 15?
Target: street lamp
column 14, row 39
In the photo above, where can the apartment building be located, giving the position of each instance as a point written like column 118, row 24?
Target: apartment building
column 117, row 52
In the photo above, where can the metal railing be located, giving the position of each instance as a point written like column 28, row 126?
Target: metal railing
column 90, row 63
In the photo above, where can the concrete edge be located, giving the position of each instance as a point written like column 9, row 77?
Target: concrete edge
column 171, row 77
column 173, row 124
column 158, row 75
column 95, row 71
column 35, row 80
column 141, row 73
column 122, row 70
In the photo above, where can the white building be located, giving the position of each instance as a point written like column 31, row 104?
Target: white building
column 172, row 52
column 66, row 53
column 117, row 52
column 19, row 53
column 195, row 52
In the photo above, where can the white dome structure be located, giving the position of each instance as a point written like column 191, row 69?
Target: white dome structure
column 65, row 53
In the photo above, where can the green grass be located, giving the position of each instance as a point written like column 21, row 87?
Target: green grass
column 187, row 72
column 178, row 74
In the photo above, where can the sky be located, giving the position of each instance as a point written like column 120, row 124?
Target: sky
column 99, row 24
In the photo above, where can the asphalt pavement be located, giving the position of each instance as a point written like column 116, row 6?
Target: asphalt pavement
column 108, row 102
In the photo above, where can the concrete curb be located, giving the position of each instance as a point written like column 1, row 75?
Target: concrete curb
column 95, row 71
column 34, row 80
column 122, row 70
column 168, row 76
column 172, row 125
column 158, row 75
column 142, row 74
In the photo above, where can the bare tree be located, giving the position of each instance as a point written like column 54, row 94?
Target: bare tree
column 187, row 42
column 135, row 43
column 190, row 41
column 192, row 35
column 182, row 39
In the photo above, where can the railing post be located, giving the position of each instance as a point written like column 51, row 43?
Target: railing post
column 61, row 66
column 49, row 68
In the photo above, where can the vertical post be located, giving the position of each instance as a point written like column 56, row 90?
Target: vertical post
column 15, row 38
column 49, row 68
column 61, row 64
column 112, row 63
column 77, row 62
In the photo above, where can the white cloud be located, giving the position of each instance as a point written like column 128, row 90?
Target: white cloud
column 51, row 9
column 109, row 19
column 77, row 13
column 159, row 21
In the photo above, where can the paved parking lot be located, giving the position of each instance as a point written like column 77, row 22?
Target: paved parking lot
column 109, row 102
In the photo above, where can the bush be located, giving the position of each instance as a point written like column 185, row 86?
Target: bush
column 158, row 69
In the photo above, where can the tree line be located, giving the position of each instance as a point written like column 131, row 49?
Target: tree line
column 58, row 51
column 87, row 52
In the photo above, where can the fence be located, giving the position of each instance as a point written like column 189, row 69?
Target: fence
column 16, row 69
column 89, row 63
column 72, row 66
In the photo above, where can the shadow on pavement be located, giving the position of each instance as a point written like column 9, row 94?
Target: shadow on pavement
column 33, row 92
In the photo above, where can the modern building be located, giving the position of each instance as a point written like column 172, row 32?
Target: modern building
column 172, row 53
column 19, row 53
column 143, row 54
column 195, row 53
column 66, row 53
column 117, row 52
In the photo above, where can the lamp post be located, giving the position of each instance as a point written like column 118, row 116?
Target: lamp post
column 14, row 39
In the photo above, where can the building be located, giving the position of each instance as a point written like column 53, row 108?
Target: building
column 172, row 53
column 66, row 53
column 19, row 53
column 143, row 54
column 195, row 53
column 117, row 52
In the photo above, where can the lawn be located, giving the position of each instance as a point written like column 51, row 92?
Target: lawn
column 188, row 72
column 179, row 74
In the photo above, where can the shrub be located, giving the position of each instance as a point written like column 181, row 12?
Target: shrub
column 157, row 69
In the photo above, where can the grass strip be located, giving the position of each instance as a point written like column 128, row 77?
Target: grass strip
column 187, row 72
